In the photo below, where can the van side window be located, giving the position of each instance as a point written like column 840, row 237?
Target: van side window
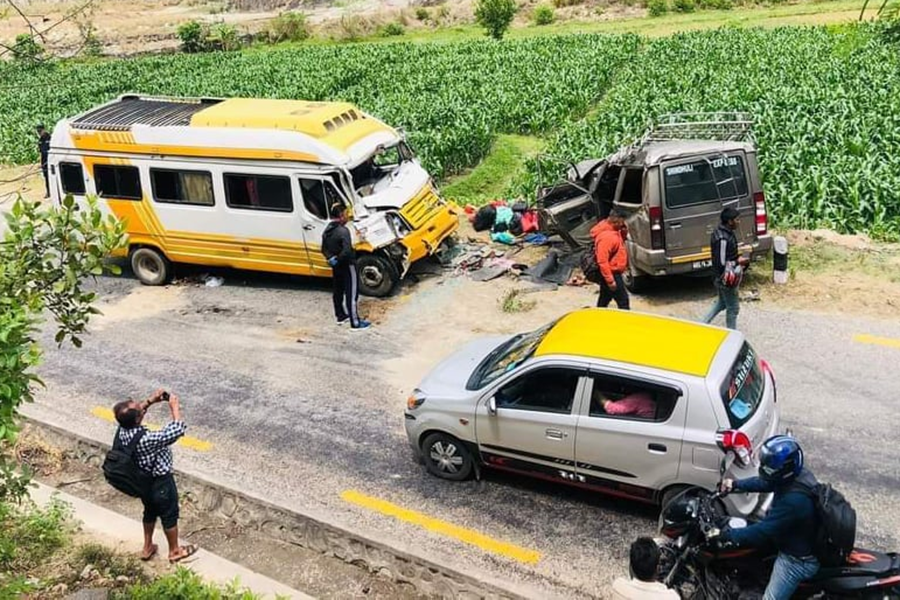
column 258, row 192
column 319, row 196
column 72, row 177
column 118, row 181
column 618, row 398
column 182, row 187
column 632, row 186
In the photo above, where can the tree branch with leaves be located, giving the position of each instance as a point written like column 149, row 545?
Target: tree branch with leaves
column 45, row 257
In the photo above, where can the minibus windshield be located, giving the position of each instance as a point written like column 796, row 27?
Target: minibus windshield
column 374, row 174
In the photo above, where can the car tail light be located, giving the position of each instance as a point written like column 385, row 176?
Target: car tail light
column 767, row 368
column 657, row 235
column 762, row 218
column 737, row 442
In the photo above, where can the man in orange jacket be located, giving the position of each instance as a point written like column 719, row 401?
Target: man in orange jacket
column 612, row 258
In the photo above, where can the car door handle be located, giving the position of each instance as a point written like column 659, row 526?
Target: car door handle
column 674, row 225
column 308, row 227
column 658, row 448
column 556, row 434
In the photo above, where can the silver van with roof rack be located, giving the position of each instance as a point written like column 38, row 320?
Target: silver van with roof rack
column 673, row 183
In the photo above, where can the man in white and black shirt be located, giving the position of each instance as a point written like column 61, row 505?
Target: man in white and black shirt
column 154, row 456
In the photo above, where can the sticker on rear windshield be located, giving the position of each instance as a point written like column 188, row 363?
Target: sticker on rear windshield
column 740, row 409
column 679, row 170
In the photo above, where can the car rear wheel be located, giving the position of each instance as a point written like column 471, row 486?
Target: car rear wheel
column 150, row 266
column 447, row 457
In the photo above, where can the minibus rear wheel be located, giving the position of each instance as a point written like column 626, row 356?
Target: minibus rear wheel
column 378, row 275
column 150, row 266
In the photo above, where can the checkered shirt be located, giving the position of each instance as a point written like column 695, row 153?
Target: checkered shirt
column 153, row 452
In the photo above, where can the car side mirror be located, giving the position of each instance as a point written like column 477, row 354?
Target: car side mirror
column 492, row 405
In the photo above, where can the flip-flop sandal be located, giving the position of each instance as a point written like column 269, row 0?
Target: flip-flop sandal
column 153, row 550
column 189, row 551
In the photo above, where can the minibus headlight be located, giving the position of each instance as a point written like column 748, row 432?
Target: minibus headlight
column 399, row 225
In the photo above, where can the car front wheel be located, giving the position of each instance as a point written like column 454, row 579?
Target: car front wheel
column 447, row 457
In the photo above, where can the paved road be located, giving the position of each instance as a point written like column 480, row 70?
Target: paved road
column 298, row 411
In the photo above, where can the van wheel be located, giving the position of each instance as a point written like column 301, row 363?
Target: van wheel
column 150, row 266
column 633, row 282
column 447, row 457
column 378, row 276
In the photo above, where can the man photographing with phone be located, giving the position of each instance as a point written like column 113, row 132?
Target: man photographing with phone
column 151, row 454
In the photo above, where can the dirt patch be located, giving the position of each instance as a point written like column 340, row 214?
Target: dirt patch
column 25, row 180
column 140, row 303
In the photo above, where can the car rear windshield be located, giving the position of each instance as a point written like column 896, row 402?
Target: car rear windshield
column 742, row 390
column 707, row 179
column 506, row 357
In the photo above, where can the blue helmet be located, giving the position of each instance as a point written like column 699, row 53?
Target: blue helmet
column 780, row 459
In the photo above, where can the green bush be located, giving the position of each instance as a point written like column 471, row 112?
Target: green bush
column 26, row 48
column 391, row 30
column 495, row 16
column 657, row 7
column 543, row 14
column 289, row 27
column 422, row 14
column 684, row 6
column 224, row 36
column 31, row 535
column 182, row 585
column 194, row 37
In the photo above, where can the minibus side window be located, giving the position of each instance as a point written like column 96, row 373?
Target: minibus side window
column 182, row 187
column 258, row 192
column 72, row 177
column 118, row 181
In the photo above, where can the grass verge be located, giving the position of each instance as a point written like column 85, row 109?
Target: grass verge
column 494, row 174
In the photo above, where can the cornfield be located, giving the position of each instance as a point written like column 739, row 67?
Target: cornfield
column 452, row 99
column 826, row 101
column 827, row 110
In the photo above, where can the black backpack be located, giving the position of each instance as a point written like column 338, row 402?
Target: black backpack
column 836, row 533
column 121, row 469
column 589, row 265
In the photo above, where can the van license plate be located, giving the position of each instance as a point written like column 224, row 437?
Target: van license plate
column 702, row 264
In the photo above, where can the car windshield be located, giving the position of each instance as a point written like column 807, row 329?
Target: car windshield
column 743, row 389
column 374, row 174
column 506, row 357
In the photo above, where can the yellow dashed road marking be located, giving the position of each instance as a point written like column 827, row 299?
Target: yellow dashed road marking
column 864, row 338
column 450, row 530
column 187, row 441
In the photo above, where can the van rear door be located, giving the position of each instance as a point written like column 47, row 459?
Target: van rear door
column 695, row 190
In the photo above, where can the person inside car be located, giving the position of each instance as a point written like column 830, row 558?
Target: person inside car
column 791, row 522
column 637, row 404
column 643, row 565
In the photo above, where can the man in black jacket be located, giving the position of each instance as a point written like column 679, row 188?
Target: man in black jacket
column 791, row 523
column 44, row 149
column 337, row 246
column 727, row 269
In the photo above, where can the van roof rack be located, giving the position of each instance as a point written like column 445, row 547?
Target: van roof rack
column 720, row 126
column 131, row 109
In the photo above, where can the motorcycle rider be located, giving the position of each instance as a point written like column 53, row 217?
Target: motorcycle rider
column 790, row 525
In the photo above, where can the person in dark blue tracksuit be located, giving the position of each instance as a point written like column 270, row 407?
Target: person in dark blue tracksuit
column 791, row 522
column 337, row 246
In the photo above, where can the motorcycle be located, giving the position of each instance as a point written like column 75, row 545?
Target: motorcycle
column 699, row 568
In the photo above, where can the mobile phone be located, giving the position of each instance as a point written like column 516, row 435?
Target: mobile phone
column 164, row 396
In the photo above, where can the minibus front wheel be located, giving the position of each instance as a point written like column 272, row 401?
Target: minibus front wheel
column 150, row 266
column 378, row 275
